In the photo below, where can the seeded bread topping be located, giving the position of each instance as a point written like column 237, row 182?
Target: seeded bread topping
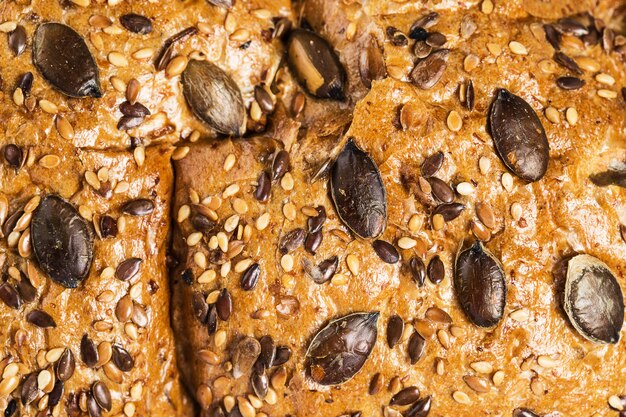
column 367, row 208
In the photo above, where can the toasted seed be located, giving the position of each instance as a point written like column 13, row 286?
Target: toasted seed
column 518, row 48
column 138, row 207
column 214, row 97
column 102, row 395
column 570, row 83
column 416, row 347
column 449, row 212
column 30, row 389
column 519, row 136
column 461, row 397
column 406, row 396
column 65, row 366
column 441, row 190
column 40, row 319
column 264, row 187
column 17, row 40
column 617, row 403
column 395, row 329
column 476, row 383
column 88, row 352
column 176, row 66
column 136, row 23
column 250, row 278
column 10, row 296
column 386, row 251
column 427, row 72
column 122, row 359
column 571, row 115
column 128, row 268
column 421, row 408
column 62, row 57
column 432, row 164
column 608, row 94
column 485, row 215
column 567, row 63
column 316, row 65
column 436, row 270
column 418, row 270
column 371, row 63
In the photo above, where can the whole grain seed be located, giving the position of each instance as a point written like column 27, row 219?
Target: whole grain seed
column 588, row 64
column 287, row 182
column 546, row 361
column 567, row 62
column 395, row 329
column 63, row 126
column 438, row 221
column 176, row 66
column 405, row 396
column 516, row 211
column 604, row 78
column 416, row 347
column 225, row 269
column 88, row 352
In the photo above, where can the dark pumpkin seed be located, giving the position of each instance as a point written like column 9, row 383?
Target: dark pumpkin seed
column 395, row 328
column 245, row 355
column 432, row 164
column 211, row 319
column 27, row 291
column 122, row 359
column 93, row 409
column 480, row 285
column 436, row 39
column 291, row 241
column 416, row 347
column 56, row 394
column 200, row 307
column 10, row 296
column 418, row 270
column 88, row 352
column 567, row 63
column 449, row 211
column 441, row 190
column 63, row 58
column 421, row 408
column 386, row 251
column 17, row 40
column 224, row 305
column 315, row 223
column 138, row 207
column 264, row 100
column 214, row 98
column 264, row 187
column 259, row 382
column 268, row 352
column 339, row 350
column 427, row 72
column 280, row 165
column 65, row 365
column 436, row 270
column 470, row 96
column 136, row 23
column 371, row 63
column 524, row 412
column 127, row 269
column 137, row 109
column 102, row 395
column 40, row 319
column 250, row 277
column 406, row 396
column 519, row 136
column 108, row 227
column 13, row 155
column 316, row 65
column 313, row 242
column 552, row 36
column 593, row 299
column 283, row 354
column 570, row 83
column 358, row 192
column 29, row 389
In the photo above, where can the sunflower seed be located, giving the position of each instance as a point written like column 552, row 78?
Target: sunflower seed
column 138, row 207
column 102, row 395
column 436, row 270
column 62, row 57
column 65, row 366
column 567, row 63
column 339, row 350
column 128, row 268
column 214, row 97
column 480, row 285
column 418, row 270
column 313, row 242
column 136, row 23
column 429, row 70
column 10, row 296
column 122, row 359
column 386, row 251
column 250, row 278
column 432, row 164
column 245, row 355
column 395, row 329
column 519, row 136
column 593, row 299
column 224, row 305
column 570, row 83
column 406, row 396
column 449, row 211
column 315, row 223
column 421, row 408
column 291, row 241
column 88, row 352
column 17, row 40
column 416, row 347
column 30, row 390
column 316, row 65
column 264, row 187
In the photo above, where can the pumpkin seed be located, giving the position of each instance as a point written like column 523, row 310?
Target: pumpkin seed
column 339, row 350
column 62, row 241
column 316, row 65
column 519, row 136
column 593, row 299
column 480, row 285
column 214, row 97
column 358, row 192
column 62, row 57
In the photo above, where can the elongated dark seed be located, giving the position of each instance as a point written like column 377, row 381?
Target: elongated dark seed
column 10, row 296
column 283, row 354
column 40, row 319
column 436, row 39
column 570, row 83
column 66, row 365
column 122, row 359
column 315, row 223
column 292, row 240
column 416, row 347
column 138, row 207
column 427, row 72
column 250, row 277
column 260, row 383
column 406, row 396
column 13, row 155
column 136, row 23
column 436, row 270
column 108, row 226
column 29, row 389
column 25, row 83
column 93, row 409
column 426, row 21
column 9, row 224
column 201, row 221
column 572, row 27
column 127, row 269
column 164, row 56
column 264, row 187
column 567, row 62
column 421, row 408
column 88, row 352
column 268, row 352
column 17, row 40
column 224, row 305
column 129, row 122
column 56, row 394
column 26, row 290
column 200, row 307
column 313, row 242
column 449, row 211
column 102, row 395
column 395, row 328
column 11, row 408
column 280, row 165
column 211, row 321
column 328, row 267
column 431, row 164
column 418, row 270
column 441, row 190
column 134, row 110
column 470, row 96
column 264, row 99
column 386, row 251
column 524, row 412
column 552, row 36
column 418, row 33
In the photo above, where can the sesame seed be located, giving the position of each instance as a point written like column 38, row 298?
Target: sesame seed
column 262, row 221
column 454, row 121
column 199, row 259
column 48, row 106
column 8, row 26
column 117, row 59
column 194, row 238
column 486, row 7
column 461, row 397
column 231, row 223
column 616, row 403
column 470, row 63
column 604, row 78
column 229, row 162
column 507, row 181
column 438, row 221
column 482, row 367
column 547, row 362
column 207, row 277
column 339, row 279
column 552, row 114
column 608, row 94
column 183, row 213
column 406, row 243
column 118, row 84
column 240, row 35
column 498, row 378
column 289, row 211
column 571, row 114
